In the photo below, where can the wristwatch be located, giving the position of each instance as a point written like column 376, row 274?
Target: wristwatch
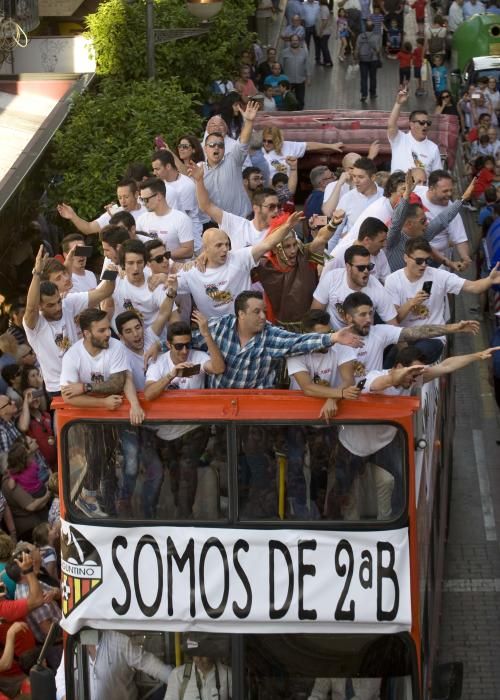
column 87, row 388
column 171, row 293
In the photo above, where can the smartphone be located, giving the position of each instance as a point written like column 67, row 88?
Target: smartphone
column 476, row 96
column 83, row 251
column 426, row 287
column 189, row 371
column 361, row 384
column 109, row 275
column 160, row 143
column 36, row 393
column 320, row 220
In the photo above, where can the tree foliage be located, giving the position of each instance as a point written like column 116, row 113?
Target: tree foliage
column 118, row 32
column 108, row 129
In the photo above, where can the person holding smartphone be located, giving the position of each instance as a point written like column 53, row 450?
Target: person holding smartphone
column 83, row 280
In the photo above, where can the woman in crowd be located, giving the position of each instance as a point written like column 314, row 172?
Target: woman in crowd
column 11, row 375
column 276, row 150
column 189, row 148
column 230, row 112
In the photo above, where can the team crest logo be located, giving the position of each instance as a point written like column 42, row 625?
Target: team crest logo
column 62, row 342
column 96, row 377
column 420, row 311
column 128, row 306
column 359, row 369
column 81, row 568
column 340, row 310
column 220, row 296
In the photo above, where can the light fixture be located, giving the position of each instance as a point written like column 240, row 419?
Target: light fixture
column 204, row 9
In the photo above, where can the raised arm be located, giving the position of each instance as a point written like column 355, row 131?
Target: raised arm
column 33, row 297
column 482, row 285
column 248, row 115
column 434, row 331
column 103, row 291
column 332, row 202
column 86, row 227
column 164, row 314
column 320, row 241
column 293, row 177
column 216, row 364
column 268, row 243
column 204, row 202
column 317, row 146
column 392, row 124
column 451, row 364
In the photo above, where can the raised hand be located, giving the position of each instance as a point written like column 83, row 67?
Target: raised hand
column 202, row 322
column 402, row 97
column 250, row 111
column 65, row 211
column 195, row 171
column 469, row 189
column 40, row 259
column 495, row 274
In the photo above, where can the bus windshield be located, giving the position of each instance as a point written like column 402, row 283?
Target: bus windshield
column 253, row 666
column 235, row 472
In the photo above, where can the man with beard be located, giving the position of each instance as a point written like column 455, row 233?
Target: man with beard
column 95, row 373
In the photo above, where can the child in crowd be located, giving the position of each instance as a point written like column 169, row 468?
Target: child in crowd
column 439, row 75
column 490, row 199
column 482, row 147
column 377, row 17
column 419, row 7
column 485, row 169
column 405, row 58
column 343, row 33
column 42, row 539
column 24, row 468
column 394, row 37
column 417, row 61
column 269, row 101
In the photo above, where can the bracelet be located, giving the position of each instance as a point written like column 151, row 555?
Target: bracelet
column 171, row 296
column 28, row 571
column 35, row 272
column 331, row 226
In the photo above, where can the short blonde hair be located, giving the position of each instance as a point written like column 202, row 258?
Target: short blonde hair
column 276, row 135
column 8, row 344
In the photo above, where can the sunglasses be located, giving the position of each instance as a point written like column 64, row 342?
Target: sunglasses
column 160, row 258
column 181, row 346
column 216, row 144
column 363, row 268
column 146, row 199
column 422, row 261
column 422, row 122
column 267, row 141
column 184, row 145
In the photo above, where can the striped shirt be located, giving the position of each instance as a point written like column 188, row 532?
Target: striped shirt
column 396, row 239
column 253, row 366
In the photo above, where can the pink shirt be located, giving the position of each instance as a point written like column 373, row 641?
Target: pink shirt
column 28, row 479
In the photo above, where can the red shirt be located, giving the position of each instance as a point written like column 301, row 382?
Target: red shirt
column 44, row 435
column 418, row 57
column 419, row 7
column 404, row 58
column 485, row 178
column 14, row 611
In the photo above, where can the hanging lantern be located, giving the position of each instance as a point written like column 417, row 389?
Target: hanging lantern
column 204, row 9
column 22, row 12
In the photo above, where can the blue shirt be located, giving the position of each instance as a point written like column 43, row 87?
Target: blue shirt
column 484, row 212
column 440, row 78
column 253, row 366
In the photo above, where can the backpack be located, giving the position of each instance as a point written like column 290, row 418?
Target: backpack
column 436, row 43
column 365, row 49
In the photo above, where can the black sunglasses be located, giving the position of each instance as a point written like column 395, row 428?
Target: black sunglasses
column 218, row 144
column 180, row 346
column 421, row 261
column 362, row 268
column 160, row 258
column 422, row 122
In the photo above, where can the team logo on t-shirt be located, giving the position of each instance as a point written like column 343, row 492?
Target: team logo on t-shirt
column 96, row 377
column 219, row 296
column 420, row 311
column 62, row 341
column 128, row 306
column 279, row 166
column 322, row 382
column 359, row 369
column 417, row 161
column 339, row 308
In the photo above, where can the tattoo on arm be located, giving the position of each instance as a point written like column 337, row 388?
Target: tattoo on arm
column 114, row 385
column 419, row 332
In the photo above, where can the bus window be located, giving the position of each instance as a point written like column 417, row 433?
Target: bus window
column 314, row 473
column 152, row 665
column 167, row 472
column 319, row 667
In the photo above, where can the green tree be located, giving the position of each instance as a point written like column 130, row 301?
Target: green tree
column 118, row 32
column 110, row 128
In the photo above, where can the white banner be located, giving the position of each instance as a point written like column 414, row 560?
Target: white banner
column 234, row 580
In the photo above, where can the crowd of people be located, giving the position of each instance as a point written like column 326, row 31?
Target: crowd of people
column 212, row 277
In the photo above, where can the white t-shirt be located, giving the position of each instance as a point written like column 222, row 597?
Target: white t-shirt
column 277, row 163
column 173, row 229
column 455, row 231
column 215, row 290
column 79, row 365
column 380, row 271
column 242, row 232
column 380, row 209
column 333, row 289
column 321, row 367
column 83, row 283
column 136, row 359
column 408, row 153
column 432, row 311
column 344, row 189
column 371, row 355
column 103, row 220
column 354, row 203
column 128, row 297
column 183, row 191
column 51, row 339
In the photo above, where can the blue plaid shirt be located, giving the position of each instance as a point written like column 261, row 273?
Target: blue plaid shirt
column 253, row 366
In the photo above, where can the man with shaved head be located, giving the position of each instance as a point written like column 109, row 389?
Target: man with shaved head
column 226, row 273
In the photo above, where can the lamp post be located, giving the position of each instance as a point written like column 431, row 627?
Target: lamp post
column 202, row 9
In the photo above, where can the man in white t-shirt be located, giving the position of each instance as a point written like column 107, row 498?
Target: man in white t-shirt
column 372, row 236
column 335, row 285
column 227, row 273
column 51, row 322
column 128, row 197
column 181, row 188
column 411, row 149
column 241, row 231
column 364, row 192
column 358, row 311
column 419, row 292
column 436, row 198
column 83, row 280
column 95, row 374
column 172, row 226
column 132, row 292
